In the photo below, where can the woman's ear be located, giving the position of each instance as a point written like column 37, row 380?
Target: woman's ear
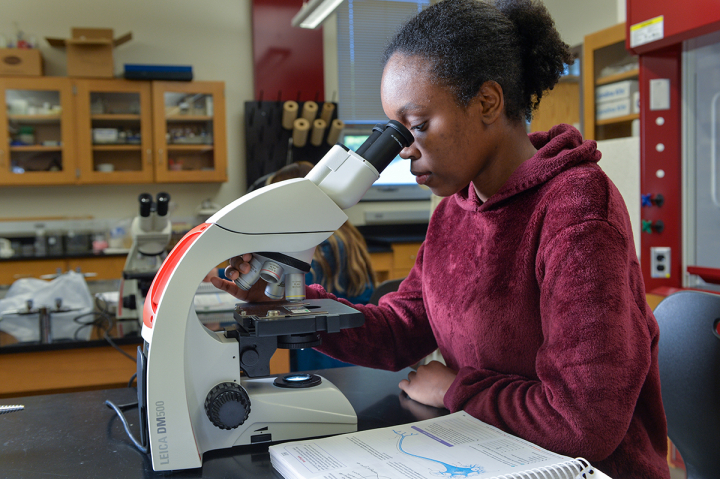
column 490, row 101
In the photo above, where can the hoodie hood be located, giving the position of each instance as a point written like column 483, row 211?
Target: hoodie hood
column 560, row 148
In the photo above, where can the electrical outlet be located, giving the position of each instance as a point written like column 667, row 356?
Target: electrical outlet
column 660, row 262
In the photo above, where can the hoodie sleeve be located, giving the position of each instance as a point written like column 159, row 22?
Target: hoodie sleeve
column 396, row 333
column 595, row 355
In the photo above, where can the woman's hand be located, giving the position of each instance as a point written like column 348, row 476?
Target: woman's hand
column 429, row 383
column 212, row 274
column 240, row 265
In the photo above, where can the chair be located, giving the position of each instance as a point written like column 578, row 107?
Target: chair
column 384, row 288
column 689, row 359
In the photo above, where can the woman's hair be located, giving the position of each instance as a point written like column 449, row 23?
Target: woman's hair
column 357, row 266
column 470, row 42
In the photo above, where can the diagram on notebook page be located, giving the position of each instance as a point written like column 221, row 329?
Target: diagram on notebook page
column 450, row 470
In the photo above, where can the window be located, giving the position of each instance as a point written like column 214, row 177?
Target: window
column 364, row 27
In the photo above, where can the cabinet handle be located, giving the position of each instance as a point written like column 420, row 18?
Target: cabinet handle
column 149, row 156
column 160, row 154
column 2, row 158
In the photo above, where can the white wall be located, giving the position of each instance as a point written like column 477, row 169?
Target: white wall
column 576, row 18
column 214, row 36
column 621, row 162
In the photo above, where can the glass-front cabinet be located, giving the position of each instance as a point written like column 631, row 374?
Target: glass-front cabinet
column 189, row 131
column 114, row 131
column 37, row 139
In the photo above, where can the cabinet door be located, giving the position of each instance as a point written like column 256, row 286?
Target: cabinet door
column 37, row 142
column 114, row 131
column 189, row 131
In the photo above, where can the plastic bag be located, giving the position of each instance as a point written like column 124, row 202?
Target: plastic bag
column 70, row 287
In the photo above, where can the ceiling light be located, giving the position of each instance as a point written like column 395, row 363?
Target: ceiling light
column 314, row 12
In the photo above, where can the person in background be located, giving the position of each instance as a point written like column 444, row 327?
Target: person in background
column 528, row 281
column 341, row 264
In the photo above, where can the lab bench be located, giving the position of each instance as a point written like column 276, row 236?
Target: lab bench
column 91, row 365
column 76, row 435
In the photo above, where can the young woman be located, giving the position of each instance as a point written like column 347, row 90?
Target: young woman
column 527, row 281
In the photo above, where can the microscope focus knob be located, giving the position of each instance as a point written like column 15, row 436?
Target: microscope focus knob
column 227, row 405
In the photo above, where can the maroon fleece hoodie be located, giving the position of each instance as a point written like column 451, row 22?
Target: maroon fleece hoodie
column 536, row 298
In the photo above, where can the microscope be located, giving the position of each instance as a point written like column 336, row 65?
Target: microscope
column 192, row 397
column 150, row 232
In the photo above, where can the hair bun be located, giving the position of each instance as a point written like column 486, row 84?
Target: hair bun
column 544, row 53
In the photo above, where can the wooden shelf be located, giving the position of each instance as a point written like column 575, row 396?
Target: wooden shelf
column 36, row 148
column 618, row 119
column 600, row 50
column 181, row 118
column 34, row 118
column 569, row 79
column 116, row 117
column 116, row 147
column 189, row 147
column 631, row 74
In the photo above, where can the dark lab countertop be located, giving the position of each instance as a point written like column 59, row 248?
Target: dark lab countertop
column 88, row 254
column 76, row 435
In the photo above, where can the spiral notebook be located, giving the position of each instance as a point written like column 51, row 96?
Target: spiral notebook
column 457, row 445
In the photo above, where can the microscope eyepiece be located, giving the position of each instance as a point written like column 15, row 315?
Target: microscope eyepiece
column 163, row 202
column 386, row 145
column 146, row 203
column 376, row 132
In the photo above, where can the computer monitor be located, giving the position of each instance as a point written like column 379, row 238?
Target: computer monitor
column 396, row 183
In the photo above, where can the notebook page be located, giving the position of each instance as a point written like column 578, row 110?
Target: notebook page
column 456, row 445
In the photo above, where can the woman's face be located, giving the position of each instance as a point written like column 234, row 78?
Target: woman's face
column 452, row 147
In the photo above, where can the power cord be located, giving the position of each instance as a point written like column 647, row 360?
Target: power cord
column 119, row 411
column 104, row 321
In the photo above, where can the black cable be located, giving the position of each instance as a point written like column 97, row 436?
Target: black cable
column 117, row 410
column 132, row 378
column 103, row 320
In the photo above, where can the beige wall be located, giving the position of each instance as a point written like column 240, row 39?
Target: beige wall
column 214, row 36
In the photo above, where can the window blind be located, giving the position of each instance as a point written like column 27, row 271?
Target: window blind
column 364, row 28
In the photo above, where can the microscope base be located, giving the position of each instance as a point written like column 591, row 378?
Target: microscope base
column 281, row 414
column 276, row 414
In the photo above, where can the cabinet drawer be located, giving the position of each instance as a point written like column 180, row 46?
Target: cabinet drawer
column 404, row 255
column 382, row 264
column 108, row 267
column 10, row 271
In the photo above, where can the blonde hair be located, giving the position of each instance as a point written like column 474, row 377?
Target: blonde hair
column 357, row 264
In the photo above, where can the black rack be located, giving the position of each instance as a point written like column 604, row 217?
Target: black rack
column 267, row 142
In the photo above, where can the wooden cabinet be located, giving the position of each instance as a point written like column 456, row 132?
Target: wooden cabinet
column 189, row 131
column 394, row 264
column 114, row 131
column 37, row 137
column 601, row 50
column 562, row 103
column 74, row 131
column 81, row 369
column 100, row 267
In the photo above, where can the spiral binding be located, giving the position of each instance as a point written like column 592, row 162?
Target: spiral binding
column 9, row 409
column 577, row 468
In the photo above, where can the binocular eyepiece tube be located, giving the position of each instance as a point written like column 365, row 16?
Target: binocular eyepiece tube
column 160, row 206
column 384, row 144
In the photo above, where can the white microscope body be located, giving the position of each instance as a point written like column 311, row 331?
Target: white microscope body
column 150, row 232
column 191, row 394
